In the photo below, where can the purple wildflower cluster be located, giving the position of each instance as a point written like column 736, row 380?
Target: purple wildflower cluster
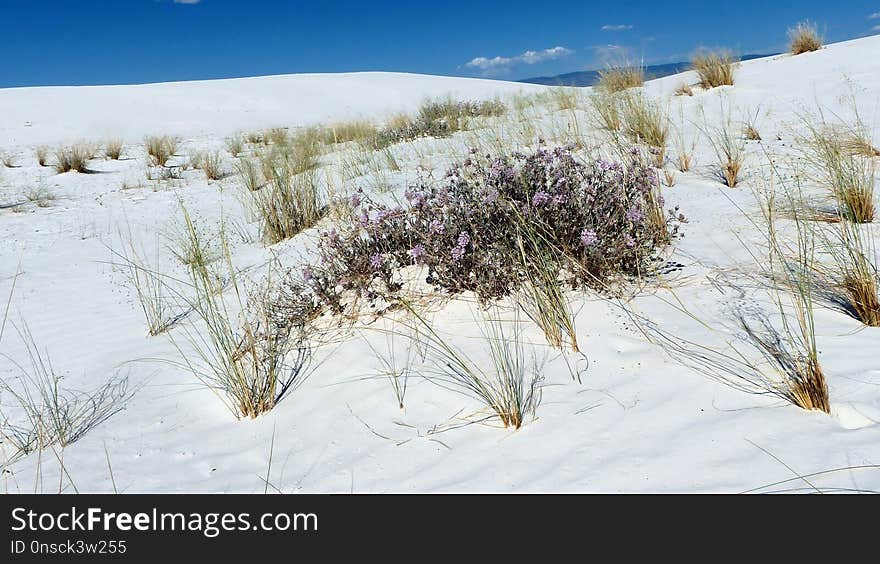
column 464, row 230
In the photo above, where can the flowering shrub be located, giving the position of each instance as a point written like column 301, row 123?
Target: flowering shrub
column 466, row 232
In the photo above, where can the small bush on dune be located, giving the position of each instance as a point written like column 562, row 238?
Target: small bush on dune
column 683, row 89
column 73, row 158
column 42, row 154
column 463, row 233
column 160, row 149
column 435, row 119
column 803, row 38
column 347, row 131
column 715, row 69
column 113, row 149
column 621, row 77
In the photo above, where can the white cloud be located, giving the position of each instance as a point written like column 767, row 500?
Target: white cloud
column 528, row 58
column 874, row 16
column 618, row 27
column 187, row 1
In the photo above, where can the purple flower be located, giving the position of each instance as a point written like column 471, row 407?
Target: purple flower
column 356, row 200
column 436, row 226
column 540, row 198
column 457, row 253
column 376, row 261
column 634, row 214
column 417, row 252
column 308, row 275
column 589, row 237
column 463, row 239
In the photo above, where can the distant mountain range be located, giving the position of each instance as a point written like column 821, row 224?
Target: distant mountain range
column 591, row 77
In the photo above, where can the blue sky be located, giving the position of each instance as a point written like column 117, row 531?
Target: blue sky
column 54, row 42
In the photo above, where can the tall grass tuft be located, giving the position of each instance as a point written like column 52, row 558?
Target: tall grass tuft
column 644, row 121
column 113, row 149
column 729, row 148
column 715, row 69
column 347, row 131
column 44, row 412
column 238, row 353
column 160, row 148
column 149, row 285
column 606, row 109
column 803, row 38
column 542, row 297
column 289, row 203
column 42, row 154
column 855, row 275
column 793, row 352
column 235, row 144
column 73, row 158
column 617, row 78
column 848, row 175
column 510, row 388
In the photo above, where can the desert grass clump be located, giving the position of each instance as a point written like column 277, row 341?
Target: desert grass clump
column 769, row 358
column 509, row 387
column 113, row 149
column 160, row 149
column 669, row 177
column 42, row 154
column 348, row 131
column 250, row 171
column 849, row 176
column 289, row 203
column 211, row 164
column 40, row 195
column 7, row 159
column 751, row 133
column 857, row 142
column 683, row 89
column 715, row 69
column 793, row 350
column 235, row 350
column 729, row 147
column 803, row 38
column 566, row 97
column 542, row 297
column 606, row 109
column 44, row 411
column 617, row 78
column 235, row 144
column 150, row 286
column 855, row 274
column 73, row 158
column 644, row 121
column 435, row 118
